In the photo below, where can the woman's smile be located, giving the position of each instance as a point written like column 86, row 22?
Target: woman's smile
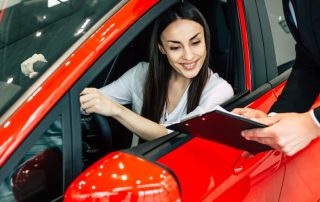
column 189, row 65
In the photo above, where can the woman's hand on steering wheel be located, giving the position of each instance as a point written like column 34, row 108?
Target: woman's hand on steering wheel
column 93, row 101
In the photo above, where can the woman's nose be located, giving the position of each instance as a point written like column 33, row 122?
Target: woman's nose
column 187, row 55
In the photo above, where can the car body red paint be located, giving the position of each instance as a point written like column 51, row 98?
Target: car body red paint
column 193, row 169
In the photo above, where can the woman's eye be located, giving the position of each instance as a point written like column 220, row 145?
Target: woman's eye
column 174, row 48
column 195, row 43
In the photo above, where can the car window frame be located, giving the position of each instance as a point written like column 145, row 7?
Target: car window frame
column 173, row 140
column 262, row 55
column 266, row 71
column 262, row 60
column 285, row 65
column 98, row 66
column 60, row 109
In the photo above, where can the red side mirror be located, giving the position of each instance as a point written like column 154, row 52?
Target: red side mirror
column 124, row 177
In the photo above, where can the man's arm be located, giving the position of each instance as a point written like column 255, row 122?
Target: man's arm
column 303, row 85
column 287, row 132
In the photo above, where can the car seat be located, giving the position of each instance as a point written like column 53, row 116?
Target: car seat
column 217, row 16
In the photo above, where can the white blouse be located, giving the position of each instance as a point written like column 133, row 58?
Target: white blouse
column 128, row 89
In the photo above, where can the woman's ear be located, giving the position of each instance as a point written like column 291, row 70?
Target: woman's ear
column 161, row 49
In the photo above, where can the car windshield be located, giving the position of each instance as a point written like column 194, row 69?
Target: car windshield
column 35, row 33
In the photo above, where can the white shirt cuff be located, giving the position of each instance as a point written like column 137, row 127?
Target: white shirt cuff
column 314, row 118
column 272, row 113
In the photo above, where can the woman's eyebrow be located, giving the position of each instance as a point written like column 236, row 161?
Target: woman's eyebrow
column 173, row 41
column 194, row 36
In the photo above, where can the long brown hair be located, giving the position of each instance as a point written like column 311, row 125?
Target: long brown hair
column 157, row 81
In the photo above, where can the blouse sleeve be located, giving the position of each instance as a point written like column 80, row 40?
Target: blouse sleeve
column 122, row 89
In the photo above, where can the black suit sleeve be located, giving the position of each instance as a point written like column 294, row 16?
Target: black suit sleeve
column 302, row 87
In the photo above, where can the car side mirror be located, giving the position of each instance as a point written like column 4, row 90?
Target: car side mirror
column 121, row 176
column 40, row 177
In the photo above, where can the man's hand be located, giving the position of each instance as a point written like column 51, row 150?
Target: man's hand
column 249, row 113
column 287, row 132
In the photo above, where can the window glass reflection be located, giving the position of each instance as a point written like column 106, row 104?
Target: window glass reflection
column 35, row 33
column 38, row 176
column 282, row 38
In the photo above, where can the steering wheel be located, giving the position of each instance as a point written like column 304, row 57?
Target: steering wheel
column 96, row 137
column 105, row 131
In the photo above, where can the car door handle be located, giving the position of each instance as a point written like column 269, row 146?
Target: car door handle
column 248, row 161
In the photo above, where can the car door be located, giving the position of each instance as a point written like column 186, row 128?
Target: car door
column 41, row 146
column 208, row 171
column 41, row 167
column 268, row 168
column 302, row 169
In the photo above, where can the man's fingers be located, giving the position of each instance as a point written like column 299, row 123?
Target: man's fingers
column 257, row 133
column 262, row 140
column 239, row 111
column 267, row 120
column 262, row 137
column 249, row 115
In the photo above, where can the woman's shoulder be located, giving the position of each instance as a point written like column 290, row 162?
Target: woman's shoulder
column 136, row 72
column 141, row 67
column 215, row 81
column 215, row 78
column 216, row 92
column 138, row 75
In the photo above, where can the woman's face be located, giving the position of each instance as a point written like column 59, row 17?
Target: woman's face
column 183, row 42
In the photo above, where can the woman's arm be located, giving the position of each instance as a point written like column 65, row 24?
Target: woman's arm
column 92, row 101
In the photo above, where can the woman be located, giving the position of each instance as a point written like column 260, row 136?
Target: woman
column 175, row 84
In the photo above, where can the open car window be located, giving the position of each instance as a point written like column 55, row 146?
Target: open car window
column 226, row 61
column 34, row 34
column 282, row 38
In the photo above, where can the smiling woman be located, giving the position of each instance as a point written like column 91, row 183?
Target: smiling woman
column 35, row 34
column 174, row 84
column 183, row 43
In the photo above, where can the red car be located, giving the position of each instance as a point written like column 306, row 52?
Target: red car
column 52, row 49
